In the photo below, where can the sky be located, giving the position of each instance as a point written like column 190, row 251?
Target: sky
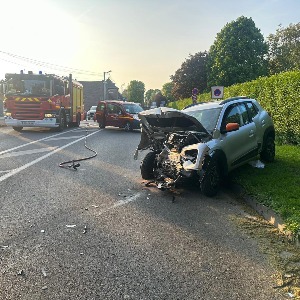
column 144, row 40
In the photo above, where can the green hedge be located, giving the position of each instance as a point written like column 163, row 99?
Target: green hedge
column 278, row 94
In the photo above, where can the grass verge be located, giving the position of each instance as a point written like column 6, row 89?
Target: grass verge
column 277, row 185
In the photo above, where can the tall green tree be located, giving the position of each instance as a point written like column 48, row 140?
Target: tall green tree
column 135, row 91
column 167, row 91
column 192, row 74
column 284, row 49
column 238, row 54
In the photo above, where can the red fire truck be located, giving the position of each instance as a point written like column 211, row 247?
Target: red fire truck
column 42, row 100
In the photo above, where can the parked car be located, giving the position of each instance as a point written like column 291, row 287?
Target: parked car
column 90, row 114
column 118, row 114
column 204, row 141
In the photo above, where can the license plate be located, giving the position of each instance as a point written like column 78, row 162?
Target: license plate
column 27, row 122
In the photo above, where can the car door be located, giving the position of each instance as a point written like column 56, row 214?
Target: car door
column 100, row 112
column 113, row 113
column 240, row 145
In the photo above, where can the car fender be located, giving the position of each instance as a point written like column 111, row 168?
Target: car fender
column 219, row 156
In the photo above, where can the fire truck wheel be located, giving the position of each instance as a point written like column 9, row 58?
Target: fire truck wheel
column 77, row 123
column 62, row 122
column 17, row 128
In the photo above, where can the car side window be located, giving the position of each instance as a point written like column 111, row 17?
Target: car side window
column 233, row 116
column 252, row 109
column 101, row 106
column 118, row 110
column 110, row 108
column 244, row 114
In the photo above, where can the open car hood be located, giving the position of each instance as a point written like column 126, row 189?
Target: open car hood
column 165, row 119
column 158, row 122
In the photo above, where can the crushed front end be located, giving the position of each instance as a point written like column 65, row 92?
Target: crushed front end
column 177, row 144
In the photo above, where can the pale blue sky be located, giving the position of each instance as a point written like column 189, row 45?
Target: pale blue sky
column 144, row 40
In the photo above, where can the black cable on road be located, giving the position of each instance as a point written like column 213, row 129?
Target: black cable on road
column 74, row 163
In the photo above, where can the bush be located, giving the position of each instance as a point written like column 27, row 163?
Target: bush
column 278, row 94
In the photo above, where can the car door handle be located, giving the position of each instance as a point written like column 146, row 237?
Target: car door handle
column 251, row 133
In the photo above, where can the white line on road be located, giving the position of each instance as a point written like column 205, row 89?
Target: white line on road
column 33, row 142
column 27, row 152
column 121, row 203
column 17, row 170
column 64, row 138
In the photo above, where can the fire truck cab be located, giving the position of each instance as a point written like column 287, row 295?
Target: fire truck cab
column 41, row 100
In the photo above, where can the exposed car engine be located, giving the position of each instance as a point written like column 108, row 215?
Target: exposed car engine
column 177, row 157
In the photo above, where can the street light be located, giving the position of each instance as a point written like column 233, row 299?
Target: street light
column 104, row 84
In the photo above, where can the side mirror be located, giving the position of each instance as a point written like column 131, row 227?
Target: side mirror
column 232, row 127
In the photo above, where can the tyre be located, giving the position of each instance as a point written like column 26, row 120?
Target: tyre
column 101, row 124
column 210, row 183
column 128, row 127
column 268, row 152
column 147, row 166
column 17, row 128
column 77, row 123
column 61, row 121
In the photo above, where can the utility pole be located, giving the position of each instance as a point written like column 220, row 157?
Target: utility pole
column 104, row 84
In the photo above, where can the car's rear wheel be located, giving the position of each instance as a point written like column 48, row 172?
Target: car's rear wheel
column 17, row 128
column 210, row 183
column 147, row 166
column 268, row 151
column 101, row 124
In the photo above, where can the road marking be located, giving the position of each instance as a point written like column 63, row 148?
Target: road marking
column 64, row 138
column 17, row 170
column 33, row 142
column 121, row 203
column 27, row 152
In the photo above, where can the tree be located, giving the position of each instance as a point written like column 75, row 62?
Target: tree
column 149, row 96
column 135, row 91
column 238, row 54
column 191, row 74
column 159, row 99
column 167, row 91
column 284, row 49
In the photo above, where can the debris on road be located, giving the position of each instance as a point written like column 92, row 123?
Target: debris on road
column 70, row 226
column 21, row 273
column 44, row 272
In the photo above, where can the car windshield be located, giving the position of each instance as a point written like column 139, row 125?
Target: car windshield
column 133, row 108
column 207, row 117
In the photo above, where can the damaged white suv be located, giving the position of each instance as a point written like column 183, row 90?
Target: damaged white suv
column 204, row 141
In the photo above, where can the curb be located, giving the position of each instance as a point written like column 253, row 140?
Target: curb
column 267, row 213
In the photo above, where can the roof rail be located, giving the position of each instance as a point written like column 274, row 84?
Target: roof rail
column 233, row 98
column 193, row 104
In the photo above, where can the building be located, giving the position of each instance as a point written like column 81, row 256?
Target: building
column 93, row 92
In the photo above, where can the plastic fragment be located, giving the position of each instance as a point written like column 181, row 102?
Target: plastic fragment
column 42, row 231
column 70, row 226
column 257, row 164
column 291, row 295
column 96, row 206
column 44, row 287
column 44, row 272
column 21, row 273
column 85, row 229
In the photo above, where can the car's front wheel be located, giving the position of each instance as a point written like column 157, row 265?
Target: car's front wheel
column 210, row 182
column 147, row 166
column 128, row 127
column 268, row 151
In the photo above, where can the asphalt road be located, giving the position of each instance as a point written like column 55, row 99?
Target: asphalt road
column 99, row 233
